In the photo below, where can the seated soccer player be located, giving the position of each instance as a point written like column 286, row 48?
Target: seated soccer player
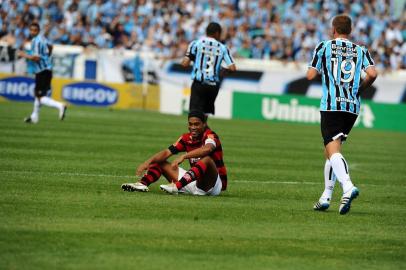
column 207, row 174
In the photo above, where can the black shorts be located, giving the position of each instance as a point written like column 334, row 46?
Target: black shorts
column 336, row 125
column 43, row 83
column 203, row 96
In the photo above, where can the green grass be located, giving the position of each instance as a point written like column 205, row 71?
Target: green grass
column 61, row 206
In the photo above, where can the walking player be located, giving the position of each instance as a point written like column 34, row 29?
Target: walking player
column 207, row 55
column 340, row 63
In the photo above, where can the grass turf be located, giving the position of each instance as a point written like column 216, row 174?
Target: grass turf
column 61, row 206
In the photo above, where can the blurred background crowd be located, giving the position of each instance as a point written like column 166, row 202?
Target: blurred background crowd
column 263, row 29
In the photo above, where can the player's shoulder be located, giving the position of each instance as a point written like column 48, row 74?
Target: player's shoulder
column 35, row 39
column 223, row 46
column 326, row 42
column 220, row 44
column 40, row 39
column 363, row 48
column 355, row 45
column 208, row 133
column 322, row 45
column 193, row 42
column 183, row 139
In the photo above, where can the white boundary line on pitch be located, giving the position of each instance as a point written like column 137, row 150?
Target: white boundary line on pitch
column 129, row 177
column 68, row 174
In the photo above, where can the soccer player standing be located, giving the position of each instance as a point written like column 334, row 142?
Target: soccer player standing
column 340, row 63
column 41, row 58
column 207, row 54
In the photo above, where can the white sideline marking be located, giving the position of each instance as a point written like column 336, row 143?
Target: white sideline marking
column 129, row 176
column 134, row 177
column 69, row 174
column 276, row 182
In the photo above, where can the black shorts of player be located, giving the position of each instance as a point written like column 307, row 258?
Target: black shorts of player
column 336, row 125
column 43, row 83
column 203, row 96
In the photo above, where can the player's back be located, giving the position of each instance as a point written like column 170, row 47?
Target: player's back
column 341, row 62
column 208, row 53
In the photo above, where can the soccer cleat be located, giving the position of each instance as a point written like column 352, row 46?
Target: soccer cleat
column 134, row 187
column 169, row 188
column 321, row 205
column 30, row 120
column 346, row 201
column 62, row 112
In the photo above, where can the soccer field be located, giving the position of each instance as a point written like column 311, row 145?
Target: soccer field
column 61, row 206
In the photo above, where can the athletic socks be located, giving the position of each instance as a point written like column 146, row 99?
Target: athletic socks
column 51, row 103
column 35, row 112
column 45, row 101
column 340, row 169
column 195, row 173
column 152, row 175
column 329, row 182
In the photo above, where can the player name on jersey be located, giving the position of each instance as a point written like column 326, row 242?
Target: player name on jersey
column 344, row 50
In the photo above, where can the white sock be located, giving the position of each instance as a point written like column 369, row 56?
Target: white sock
column 340, row 169
column 35, row 111
column 329, row 181
column 51, row 103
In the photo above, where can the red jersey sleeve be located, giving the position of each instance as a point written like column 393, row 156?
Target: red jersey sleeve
column 178, row 146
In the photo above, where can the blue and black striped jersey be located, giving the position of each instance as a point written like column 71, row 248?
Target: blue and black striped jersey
column 207, row 54
column 340, row 63
column 39, row 47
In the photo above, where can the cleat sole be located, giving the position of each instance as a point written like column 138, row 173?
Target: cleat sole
column 132, row 189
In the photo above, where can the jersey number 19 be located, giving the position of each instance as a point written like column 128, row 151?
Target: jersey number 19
column 347, row 70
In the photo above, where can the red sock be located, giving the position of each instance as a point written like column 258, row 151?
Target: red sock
column 195, row 173
column 152, row 175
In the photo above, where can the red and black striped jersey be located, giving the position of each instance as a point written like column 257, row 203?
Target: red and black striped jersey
column 186, row 144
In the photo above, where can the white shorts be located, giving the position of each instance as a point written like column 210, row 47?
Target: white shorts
column 194, row 190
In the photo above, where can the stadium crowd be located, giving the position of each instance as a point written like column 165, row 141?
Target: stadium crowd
column 281, row 30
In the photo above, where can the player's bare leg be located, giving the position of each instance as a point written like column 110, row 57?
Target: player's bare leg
column 169, row 172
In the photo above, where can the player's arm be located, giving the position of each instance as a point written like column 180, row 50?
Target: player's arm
column 157, row 158
column 371, row 76
column 190, row 55
column 50, row 48
column 228, row 59
column 185, row 61
column 230, row 68
column 369, row 68
column 314, row 69
column 312, row 73
column 233, row 67
column 25, row 55
column 196, row 153
column 35, row 53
